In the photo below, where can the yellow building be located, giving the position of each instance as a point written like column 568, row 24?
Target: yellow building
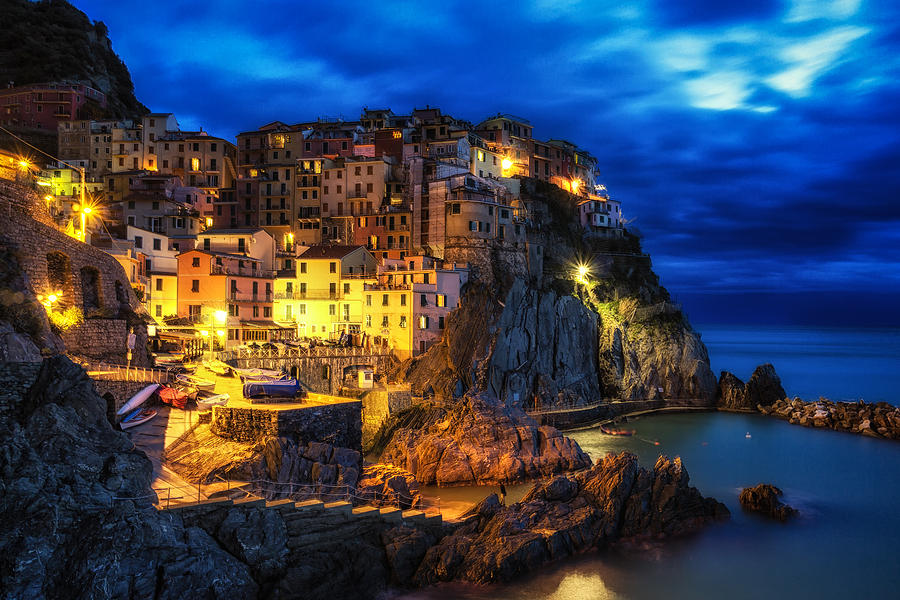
column 324, row 299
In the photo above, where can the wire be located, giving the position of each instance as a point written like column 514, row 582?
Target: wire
column 39, row 150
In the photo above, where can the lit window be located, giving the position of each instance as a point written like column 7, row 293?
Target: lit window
column 403, row 321
column 195, row 164
column 440, row 300
column 423, row 322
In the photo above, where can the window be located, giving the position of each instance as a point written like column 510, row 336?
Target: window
column 332, row 267
column 195, row 164
column 440, row 300
column 255, row 312
column 232, row 310
column 331, row 310
column 267, row 312
column 358, row 171
column 346, row 288
column 384, row 299
column 403, row 300
column 332, row 289
column 368, row 320
column 473, row 225
column 302, row 309
column 159, row 310
column 369, row 188
column 440, row 322
column 368, row 299
column 138, row 241
column 159, row 284
column 195, row 262
column 403, row 321
column 195, row 285
column 423, row 300
column 454, row 208
column 384, row 321
column 303, row 267
column 423, row 322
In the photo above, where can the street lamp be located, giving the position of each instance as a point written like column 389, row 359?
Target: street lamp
column 506, row 164
column 85, row 211
column 582, row 271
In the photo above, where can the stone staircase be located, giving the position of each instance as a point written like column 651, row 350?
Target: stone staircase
column 291, row 511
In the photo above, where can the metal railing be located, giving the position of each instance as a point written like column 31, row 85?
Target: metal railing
column 106, row 372
column 295, row 352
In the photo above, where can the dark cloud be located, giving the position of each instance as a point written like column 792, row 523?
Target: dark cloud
column 752, row 156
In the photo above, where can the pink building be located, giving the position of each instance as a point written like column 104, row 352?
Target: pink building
column 44, row 105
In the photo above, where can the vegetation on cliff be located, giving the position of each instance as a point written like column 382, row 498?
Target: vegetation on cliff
column 51, row 40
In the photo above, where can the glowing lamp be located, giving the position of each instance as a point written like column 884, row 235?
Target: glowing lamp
column 24, row 164
column 220, row 316
column 52, row 298
column 220, row 333
column 44, row 183
column 204, row 333
column 48, row 198
column 86, row 210
column 506, row 164
column 575, row 185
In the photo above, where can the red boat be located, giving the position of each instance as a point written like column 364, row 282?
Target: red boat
column 604, row 429
column 173, row 397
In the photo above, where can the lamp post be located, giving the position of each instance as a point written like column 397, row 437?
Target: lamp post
column 85, row 211
column 220, row 317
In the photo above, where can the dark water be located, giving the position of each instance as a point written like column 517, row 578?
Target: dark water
column 844, row 545
column 838, row 363
column 847, row 487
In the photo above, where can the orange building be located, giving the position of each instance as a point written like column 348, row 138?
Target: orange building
column 228, row 295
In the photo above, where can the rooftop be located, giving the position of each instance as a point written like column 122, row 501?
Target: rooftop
column 329, row 251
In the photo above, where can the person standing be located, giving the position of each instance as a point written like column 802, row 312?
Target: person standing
column 502, row 495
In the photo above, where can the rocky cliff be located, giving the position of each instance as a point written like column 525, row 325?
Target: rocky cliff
column 762, row 389
column 76, row 512
column 54, row 41
column 566, row 515
column 482, row 441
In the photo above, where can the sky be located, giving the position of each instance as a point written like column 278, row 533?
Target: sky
column 754, row 145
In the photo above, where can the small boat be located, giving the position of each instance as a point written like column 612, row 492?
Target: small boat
column 205, row 402
column 286, row 388
column 196, row 382
column 259, row 374
column 137, row 399
column 173, row 397
column 218, row 367
column 141, row 415
column 607, row 431
column 748, row 436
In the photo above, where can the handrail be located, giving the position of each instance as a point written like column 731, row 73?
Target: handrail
column 103, row 371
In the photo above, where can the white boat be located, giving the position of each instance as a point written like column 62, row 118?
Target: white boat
column 196, row 382
column 218, row 367
column 258, row 374
column 141, row 415
column 138, row 399
column 208, row 402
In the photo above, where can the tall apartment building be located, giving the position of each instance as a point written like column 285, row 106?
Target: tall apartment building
column 45, row 105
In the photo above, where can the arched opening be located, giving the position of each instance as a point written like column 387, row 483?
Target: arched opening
column 295, row 372
column 121, row 294
column 90, row 289
column 59, row 274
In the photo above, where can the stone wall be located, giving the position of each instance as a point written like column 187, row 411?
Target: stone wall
column 488, row 259
column 15, row 379
column 339, row 424
column 320, row 370
column 576, row 417
column 88, row 278
column 379, row 403
column 105, row 340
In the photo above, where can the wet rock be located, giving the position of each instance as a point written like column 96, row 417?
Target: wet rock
column 387, row 485
column 482, row 441
column 880, row 420
column 765, row 499
column 568, row 514
column 762, row 389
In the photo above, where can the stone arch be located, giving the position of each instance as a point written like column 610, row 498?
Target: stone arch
column 59, row 272
column 90, row 289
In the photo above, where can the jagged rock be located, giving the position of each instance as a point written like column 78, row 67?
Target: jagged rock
column 482, row 441
column 387, row 485
column 762, row 389
column 65, row 468
column 764, row 499
column 569, row 514
column 17, row 347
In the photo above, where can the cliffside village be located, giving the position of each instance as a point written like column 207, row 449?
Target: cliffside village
column 353, row 232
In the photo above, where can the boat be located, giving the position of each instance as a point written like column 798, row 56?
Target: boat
column 173, row 397
column 607, row 431
column 205, row 402
column 137, row 399
column 140, row 415
column 196, row 382
column 259, row 374
column 218, row 367
column 285, row 388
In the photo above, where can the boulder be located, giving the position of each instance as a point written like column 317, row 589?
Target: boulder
column 483, row 442
column 765, row 499
column 761, row 390
column 387, row 485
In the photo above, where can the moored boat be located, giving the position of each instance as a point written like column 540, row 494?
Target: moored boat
column 139, row 416
column 218, row 367
column 608, row 431
column 285, row 388
column 173, row 397
column 196, row 382
column 205, row 402
column 137, row 399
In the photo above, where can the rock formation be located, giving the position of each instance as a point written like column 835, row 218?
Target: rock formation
column 762, row 389
column 483, row 442
column 387, row 485
column 764, row 499
column 613, row 500
column 75, row 505
column 879, row 420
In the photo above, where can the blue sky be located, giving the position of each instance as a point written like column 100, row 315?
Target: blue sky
column 756, row 147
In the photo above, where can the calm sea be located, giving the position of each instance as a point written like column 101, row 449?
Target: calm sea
column 841, row 364
column 846, row 486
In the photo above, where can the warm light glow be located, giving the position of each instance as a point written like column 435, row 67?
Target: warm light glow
column 582, row 271
column 220, row 333
column 209, row 221
column 398, row 135
column 86, row 210
column 220, row 316
column 506, row 164
column 52, row 298
column 576, row 183
column 48, row 198
column 43, row 183
column 204, row 333
column 24, row 164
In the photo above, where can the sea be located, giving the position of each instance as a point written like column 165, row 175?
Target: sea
column 846, row 487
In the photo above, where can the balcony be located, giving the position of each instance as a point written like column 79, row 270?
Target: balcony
column 242, row 272
column 237, row 296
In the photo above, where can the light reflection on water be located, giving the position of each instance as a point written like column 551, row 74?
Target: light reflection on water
column 845, row 485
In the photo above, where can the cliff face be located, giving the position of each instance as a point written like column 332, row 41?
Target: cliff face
column 53, row 41
column 75, row 505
